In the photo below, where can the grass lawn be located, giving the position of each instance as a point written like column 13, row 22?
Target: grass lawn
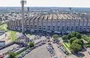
column 87, row 44
column 3, row 27
column 13, row 35
column 67, row 44
column 86, row 38
column 67, row 47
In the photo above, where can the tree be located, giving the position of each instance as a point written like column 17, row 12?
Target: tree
column 74, row 34
column 72, row 39
column 78, row 41
column 71, row 35
column 88, row 40
column 12, row 55
column 31, row 44
column 81, row 42
column 64, row 37
column 75, row 47
column 78, row 35
column 55, row 37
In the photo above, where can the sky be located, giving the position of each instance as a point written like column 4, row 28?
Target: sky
column 46, row 3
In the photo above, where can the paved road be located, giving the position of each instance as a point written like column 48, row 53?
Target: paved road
column 41, row 38
column 40, row 52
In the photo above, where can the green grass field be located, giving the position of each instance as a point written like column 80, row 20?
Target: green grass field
column 3, row 27
column 87, row 44
column 67, row 47
column 12, row 33
column 86, row 38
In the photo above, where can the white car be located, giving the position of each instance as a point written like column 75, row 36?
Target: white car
column 54, row 57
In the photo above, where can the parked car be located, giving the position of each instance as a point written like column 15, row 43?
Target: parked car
column 62, row 48
column 49, row 44
column 19, row 57
column 89, row 52
column 48, row 37
column 29, row 50
column 1, row 56
column 54, row 57
column 51, row 50
column 23, row 54
column 49, row 41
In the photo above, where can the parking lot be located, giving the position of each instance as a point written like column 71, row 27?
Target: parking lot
column 86, row 54
column 40, row 52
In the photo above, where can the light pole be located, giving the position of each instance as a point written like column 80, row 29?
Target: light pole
column 28, row 12
column 22, row 12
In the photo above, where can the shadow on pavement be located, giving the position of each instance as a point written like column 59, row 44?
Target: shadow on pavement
column 79, row 54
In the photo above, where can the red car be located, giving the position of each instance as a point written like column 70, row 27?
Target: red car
column 1, row 56
column 48, row 40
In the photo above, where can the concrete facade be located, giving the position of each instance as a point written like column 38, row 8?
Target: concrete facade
column 57, row 23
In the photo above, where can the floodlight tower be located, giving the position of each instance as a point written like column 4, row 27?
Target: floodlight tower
column 28, row 11
column 22, row 12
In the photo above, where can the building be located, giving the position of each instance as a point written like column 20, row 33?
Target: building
column 2, row 43
column 56, row 23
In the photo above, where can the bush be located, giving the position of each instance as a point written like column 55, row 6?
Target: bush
column 55, row 37
column 31, row 44
column 12, row 55
column 64, row 37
